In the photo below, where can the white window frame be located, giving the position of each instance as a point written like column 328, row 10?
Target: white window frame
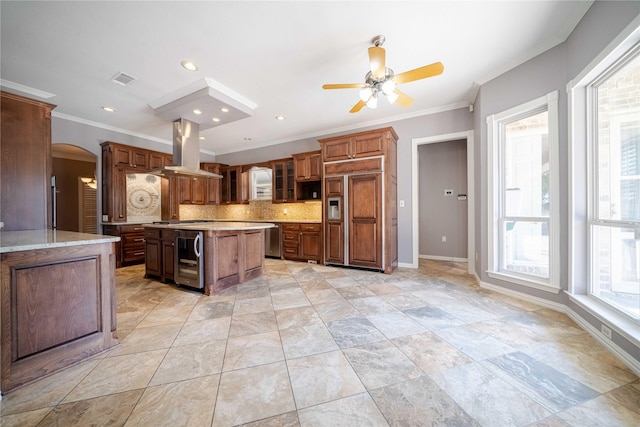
column 579, row 159
column 494, row 123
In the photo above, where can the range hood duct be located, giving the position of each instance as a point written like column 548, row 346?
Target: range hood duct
column 186, row 152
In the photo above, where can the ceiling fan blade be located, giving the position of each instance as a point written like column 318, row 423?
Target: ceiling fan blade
column 343, row 85
column 358, row 107
column 403, row 100
column 377, row 60
column 419, row 73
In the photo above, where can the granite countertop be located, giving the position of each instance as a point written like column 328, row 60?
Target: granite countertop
column 214, row 226
column 15, row 241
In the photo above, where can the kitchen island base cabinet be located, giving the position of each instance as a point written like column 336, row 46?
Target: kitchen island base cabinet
column 58, row 308
column 232, row 257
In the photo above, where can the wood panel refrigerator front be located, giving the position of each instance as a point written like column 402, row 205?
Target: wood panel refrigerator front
column 360, row 171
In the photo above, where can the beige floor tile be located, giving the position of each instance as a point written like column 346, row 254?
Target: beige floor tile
column 252, row 350
column 430, row 352
column 184, row 403
column 118, row 374
column 190, row 361
column 111, row 410
column 146, row 339
column 313, row 339
column 253, row 323
column 298, row 317
column 358, row 410
column 24, row 419
column 166, row 316
column 321, row 378
column 600, row 411
column 253, row 394
column 203, row 331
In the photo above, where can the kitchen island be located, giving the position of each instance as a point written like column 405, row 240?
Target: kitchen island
column 232, row 252
column 57, row 300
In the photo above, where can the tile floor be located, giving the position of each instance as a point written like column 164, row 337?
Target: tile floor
column 318, row 346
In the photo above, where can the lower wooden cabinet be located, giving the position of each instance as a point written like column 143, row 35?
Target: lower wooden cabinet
column 302, row 241
column 130, row 249
column 58, row 308
column 160, row 253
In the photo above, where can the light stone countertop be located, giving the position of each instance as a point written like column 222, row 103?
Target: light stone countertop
column 26, row 240
column 214, row 226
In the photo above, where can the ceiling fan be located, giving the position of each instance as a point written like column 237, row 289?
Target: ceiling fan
column 382, row 80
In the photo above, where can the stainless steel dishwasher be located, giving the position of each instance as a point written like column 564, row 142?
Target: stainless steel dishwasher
column 273, row 241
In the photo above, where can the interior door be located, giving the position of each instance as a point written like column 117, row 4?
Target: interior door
column 365, row 220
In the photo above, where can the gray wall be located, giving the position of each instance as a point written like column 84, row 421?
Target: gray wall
column 442, row 165
column 550, row 71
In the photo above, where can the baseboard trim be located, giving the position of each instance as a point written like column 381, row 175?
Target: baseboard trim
column 442, row 258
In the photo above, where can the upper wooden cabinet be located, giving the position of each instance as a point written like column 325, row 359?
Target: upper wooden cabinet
column 308, row 166
column 354, row 146
column 117, row 161
column 283, row 181
column 212, row 190
column 25, row 169
column 235, row 185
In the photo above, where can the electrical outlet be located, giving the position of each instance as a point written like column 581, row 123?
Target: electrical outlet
column 444, row 238
column 285, row 211
column 606, row 331
column 402, row 203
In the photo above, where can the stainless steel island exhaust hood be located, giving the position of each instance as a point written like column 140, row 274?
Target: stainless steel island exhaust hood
column 186, row 152
column 201, row 105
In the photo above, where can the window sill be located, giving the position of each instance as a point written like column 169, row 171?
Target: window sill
column 621, row 324
column 543, row 286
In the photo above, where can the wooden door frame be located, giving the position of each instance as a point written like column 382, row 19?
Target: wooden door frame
column 415, row 142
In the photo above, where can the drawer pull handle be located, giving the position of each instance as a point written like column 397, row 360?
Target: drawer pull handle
column 138, row 240
column 139, row 253
column 138, row 228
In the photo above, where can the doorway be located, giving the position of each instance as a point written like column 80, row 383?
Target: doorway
column 415, row 198
column 76, row 188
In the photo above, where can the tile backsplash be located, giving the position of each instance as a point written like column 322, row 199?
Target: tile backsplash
column 255, row 210
column 143, row 197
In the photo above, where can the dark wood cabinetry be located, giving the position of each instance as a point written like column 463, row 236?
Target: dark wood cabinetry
column 358, row 145
column 58, row 308
column 283, row 181
column 130, row 249
column 308, row 175
column 364, row 230
column 212, row 190
column 159, row 253
column 235, row 185
column 302, row 241
column 117, row 161
column 25, row 168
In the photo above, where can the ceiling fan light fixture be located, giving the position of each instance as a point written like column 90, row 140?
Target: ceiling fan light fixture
column 366, row 93
column 372, row 102
column 392, row 97
column 388, row 87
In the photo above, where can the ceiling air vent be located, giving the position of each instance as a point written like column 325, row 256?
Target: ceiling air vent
column 122, row 79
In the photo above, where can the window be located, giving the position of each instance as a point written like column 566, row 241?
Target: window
column 523, row 193
column 613, row 101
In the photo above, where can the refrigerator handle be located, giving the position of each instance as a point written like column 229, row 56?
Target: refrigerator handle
column 54, row 208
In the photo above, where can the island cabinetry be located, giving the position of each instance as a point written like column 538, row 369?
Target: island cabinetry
column 159, row 253
column 235, row 185
column 118, row 160
column 57, row 308
column 130, row 249
column 25, row 167
column 302, row 241
column 232, row 257
column 283, row 181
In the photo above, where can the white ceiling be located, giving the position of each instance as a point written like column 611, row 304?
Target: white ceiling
column 276, row 54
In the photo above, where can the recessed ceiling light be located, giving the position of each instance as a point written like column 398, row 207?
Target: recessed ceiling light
column 196, row 111
column 280, row 117
column 109, row 109
column 224, row 109
column 188, row 65
column 215, row 119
